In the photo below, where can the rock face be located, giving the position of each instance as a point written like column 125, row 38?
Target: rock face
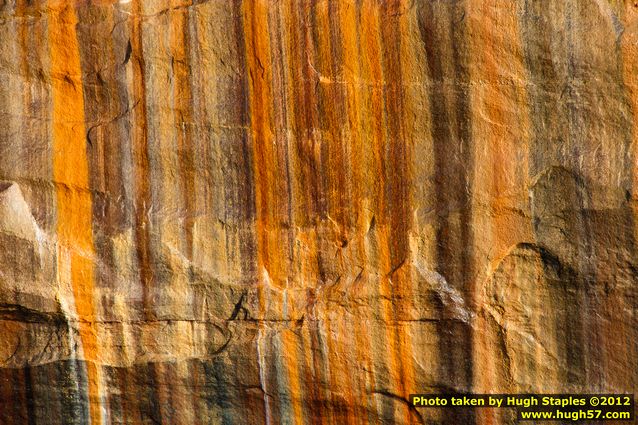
column 301, row 212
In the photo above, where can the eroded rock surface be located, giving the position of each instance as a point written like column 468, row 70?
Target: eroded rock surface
column 301, row 212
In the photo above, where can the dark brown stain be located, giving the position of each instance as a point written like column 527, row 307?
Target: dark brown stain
column 445, row 42
column 143, row 200
column 304, row 81
column 397, row 186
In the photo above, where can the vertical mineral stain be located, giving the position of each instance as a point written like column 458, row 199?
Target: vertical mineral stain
column 74, row 199
column 141, row 165
column 302, row 212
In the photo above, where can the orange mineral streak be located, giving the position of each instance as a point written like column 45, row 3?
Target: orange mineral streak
column 70, row 172
column 260, row 84
column 399, row 172
column 270, row 188
column 356, row 108
column 393, row 358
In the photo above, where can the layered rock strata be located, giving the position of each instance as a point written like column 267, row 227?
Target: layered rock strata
column 301, row 212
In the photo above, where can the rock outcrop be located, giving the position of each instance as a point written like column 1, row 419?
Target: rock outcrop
column 301, row 212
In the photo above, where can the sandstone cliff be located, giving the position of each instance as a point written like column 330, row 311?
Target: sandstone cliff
column 302, row 211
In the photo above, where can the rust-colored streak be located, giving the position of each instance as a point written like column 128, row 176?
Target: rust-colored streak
column 271, row 191
column 258, row 67
column 382, row 177
column 396, row 194
column 354, row 73
column 331, row 108
column 397, row 172
column 304, row 119
column 70, row 171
